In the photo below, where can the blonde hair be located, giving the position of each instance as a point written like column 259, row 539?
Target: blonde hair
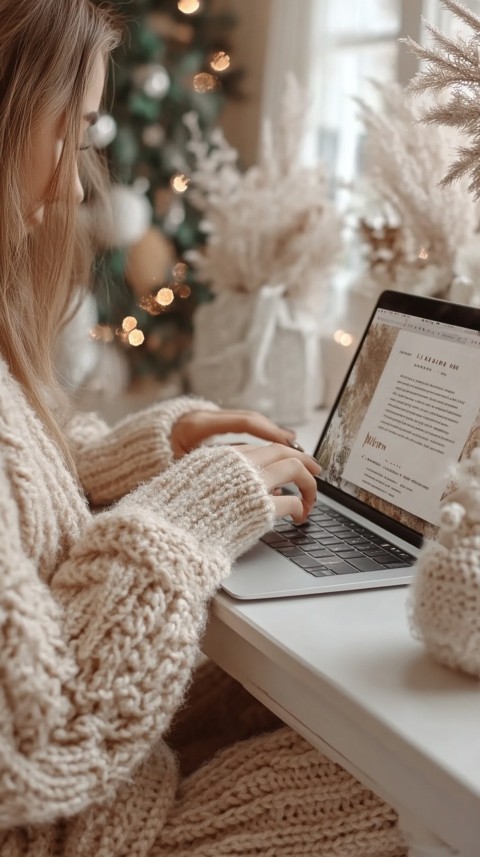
column 48, row 49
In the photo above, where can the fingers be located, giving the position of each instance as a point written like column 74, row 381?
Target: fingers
column 292, row 470
column 281, row 465
column 289, row 505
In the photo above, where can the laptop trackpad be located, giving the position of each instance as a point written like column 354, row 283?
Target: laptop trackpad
column 264, row 573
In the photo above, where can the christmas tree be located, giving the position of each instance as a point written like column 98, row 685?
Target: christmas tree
column 175, row 60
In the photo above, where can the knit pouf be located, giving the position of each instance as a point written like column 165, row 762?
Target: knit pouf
column 274, row 795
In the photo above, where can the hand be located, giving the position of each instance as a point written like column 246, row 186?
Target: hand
column 280, row 465
column 196, row 426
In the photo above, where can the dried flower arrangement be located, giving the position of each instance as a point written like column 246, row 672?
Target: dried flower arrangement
column 273, row 224
column 420, row 223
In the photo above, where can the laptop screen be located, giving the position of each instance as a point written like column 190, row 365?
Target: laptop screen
column 409, row 408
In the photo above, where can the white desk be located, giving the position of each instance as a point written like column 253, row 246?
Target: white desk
column 344, row 671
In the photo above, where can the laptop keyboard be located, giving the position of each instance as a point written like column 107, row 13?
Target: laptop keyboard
column 330, row 543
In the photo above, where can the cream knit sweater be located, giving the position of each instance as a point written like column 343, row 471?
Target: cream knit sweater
column 100, row 618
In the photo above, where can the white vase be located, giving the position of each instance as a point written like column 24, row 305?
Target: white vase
column 259, row 352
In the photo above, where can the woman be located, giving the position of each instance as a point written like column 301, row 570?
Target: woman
column 100, row 615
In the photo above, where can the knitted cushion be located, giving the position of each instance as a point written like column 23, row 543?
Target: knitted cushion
column 444, row 600
column 275, row 795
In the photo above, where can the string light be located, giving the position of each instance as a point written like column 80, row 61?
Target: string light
column 205, row 82
column 423, row 254
column 136, row 338
column 165, row 296
column 180, row 183
column 188, row 7
column 184, row 291
column 129, row 323
column 343, row 338
column 220, row 61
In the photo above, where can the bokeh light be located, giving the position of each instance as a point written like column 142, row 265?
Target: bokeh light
column 205, row 82
column 220, row 61
column 180, row 183
column 136, row 338
column 343, row 338
column 129, row 323
column 189, row 7
column 165, row 296
column 180, row 271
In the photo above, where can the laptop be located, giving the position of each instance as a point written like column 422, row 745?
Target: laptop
column 408, row 409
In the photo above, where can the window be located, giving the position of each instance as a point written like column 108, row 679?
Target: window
column 335, row 49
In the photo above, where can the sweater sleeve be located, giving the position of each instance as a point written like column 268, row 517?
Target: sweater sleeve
column 93, row 668
column 111, row 462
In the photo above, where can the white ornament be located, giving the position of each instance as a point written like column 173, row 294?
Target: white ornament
column 153, row 79
column 131, row 216
column 103, row 132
